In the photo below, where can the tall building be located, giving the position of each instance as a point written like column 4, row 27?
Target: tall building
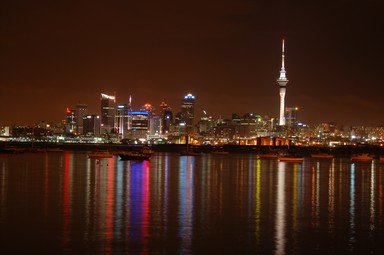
column 107, row 113
column 188, row 113
column 291, row 116
column 282, row 81
column 122, row 120
column 91, row 125
column 166, row 118
column 70, row 127
column 82, row 110
column 139, row 125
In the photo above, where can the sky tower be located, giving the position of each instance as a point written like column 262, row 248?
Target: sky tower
column 282, row 81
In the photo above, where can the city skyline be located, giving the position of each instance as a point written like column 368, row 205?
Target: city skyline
column 55, row 55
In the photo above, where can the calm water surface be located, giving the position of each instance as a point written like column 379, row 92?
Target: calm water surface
column 65, row 203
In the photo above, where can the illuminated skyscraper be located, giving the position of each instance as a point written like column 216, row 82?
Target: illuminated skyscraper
column 122, row 120
column 71, row 121
column 91, row 125
column 140, row 125
column 188, row 112
column 81, row 113
column 282, row 81
column 107, row 113
column 291, row 116
column 166, row 117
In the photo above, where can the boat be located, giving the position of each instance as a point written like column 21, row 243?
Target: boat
column 220, row 152
column 322, row 155
column 12, row 150
column 191, row 153
column 362, row 157
column 100, row 154
column 134, row 155
column 291, row 158
column 268, row 155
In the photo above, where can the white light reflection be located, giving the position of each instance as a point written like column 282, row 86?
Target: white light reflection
column 3, row 177
column 352, row 208
column 88, row 198
column 372, row 208
column 280, row 210
column 331, row 198
column 257, row 202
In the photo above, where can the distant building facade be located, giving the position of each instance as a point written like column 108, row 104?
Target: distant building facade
column 291, row 116
column 107, row 113
column 71, row 124
column 91, row 125
column 140, row 125
column 82, row 111
column 166, row 118
column 188, row 113
column 122, row 118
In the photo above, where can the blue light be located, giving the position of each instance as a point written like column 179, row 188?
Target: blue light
column 189, row 96
column 138, row 113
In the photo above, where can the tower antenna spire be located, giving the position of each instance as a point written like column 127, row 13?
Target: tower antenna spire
column 282, row 57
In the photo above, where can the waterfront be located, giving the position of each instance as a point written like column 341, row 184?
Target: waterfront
column 65, row 203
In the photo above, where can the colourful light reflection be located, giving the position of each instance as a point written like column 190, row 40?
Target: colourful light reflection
column 67, row 197
column 186, row 201
column 139, row 204
column 110, row 210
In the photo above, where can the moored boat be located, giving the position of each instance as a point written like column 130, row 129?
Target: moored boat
column 12, row 150
column 363, row 157
column 100, row 154
column 220, row 152
column 268, row 155
column 134, row 155
column 191, row 153
column 291, row 158
column 322, row 155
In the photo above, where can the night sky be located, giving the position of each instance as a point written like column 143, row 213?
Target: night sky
column 55, row 54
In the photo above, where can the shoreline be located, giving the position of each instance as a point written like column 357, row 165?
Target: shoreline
column 177, row 148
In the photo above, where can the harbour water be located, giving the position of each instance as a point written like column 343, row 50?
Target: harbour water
column 66, row 203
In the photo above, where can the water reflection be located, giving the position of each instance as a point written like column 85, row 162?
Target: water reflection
column 186, row 191
column 280, row 219
column 190, row 205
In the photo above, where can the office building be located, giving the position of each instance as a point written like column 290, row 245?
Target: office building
column 291, row 116
column 166, row 118
column 188, row 113
column 107, row 113
column 91, row 125
column 82, row 110
column 70, row 125
column 122, row 118
column 139, row 126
